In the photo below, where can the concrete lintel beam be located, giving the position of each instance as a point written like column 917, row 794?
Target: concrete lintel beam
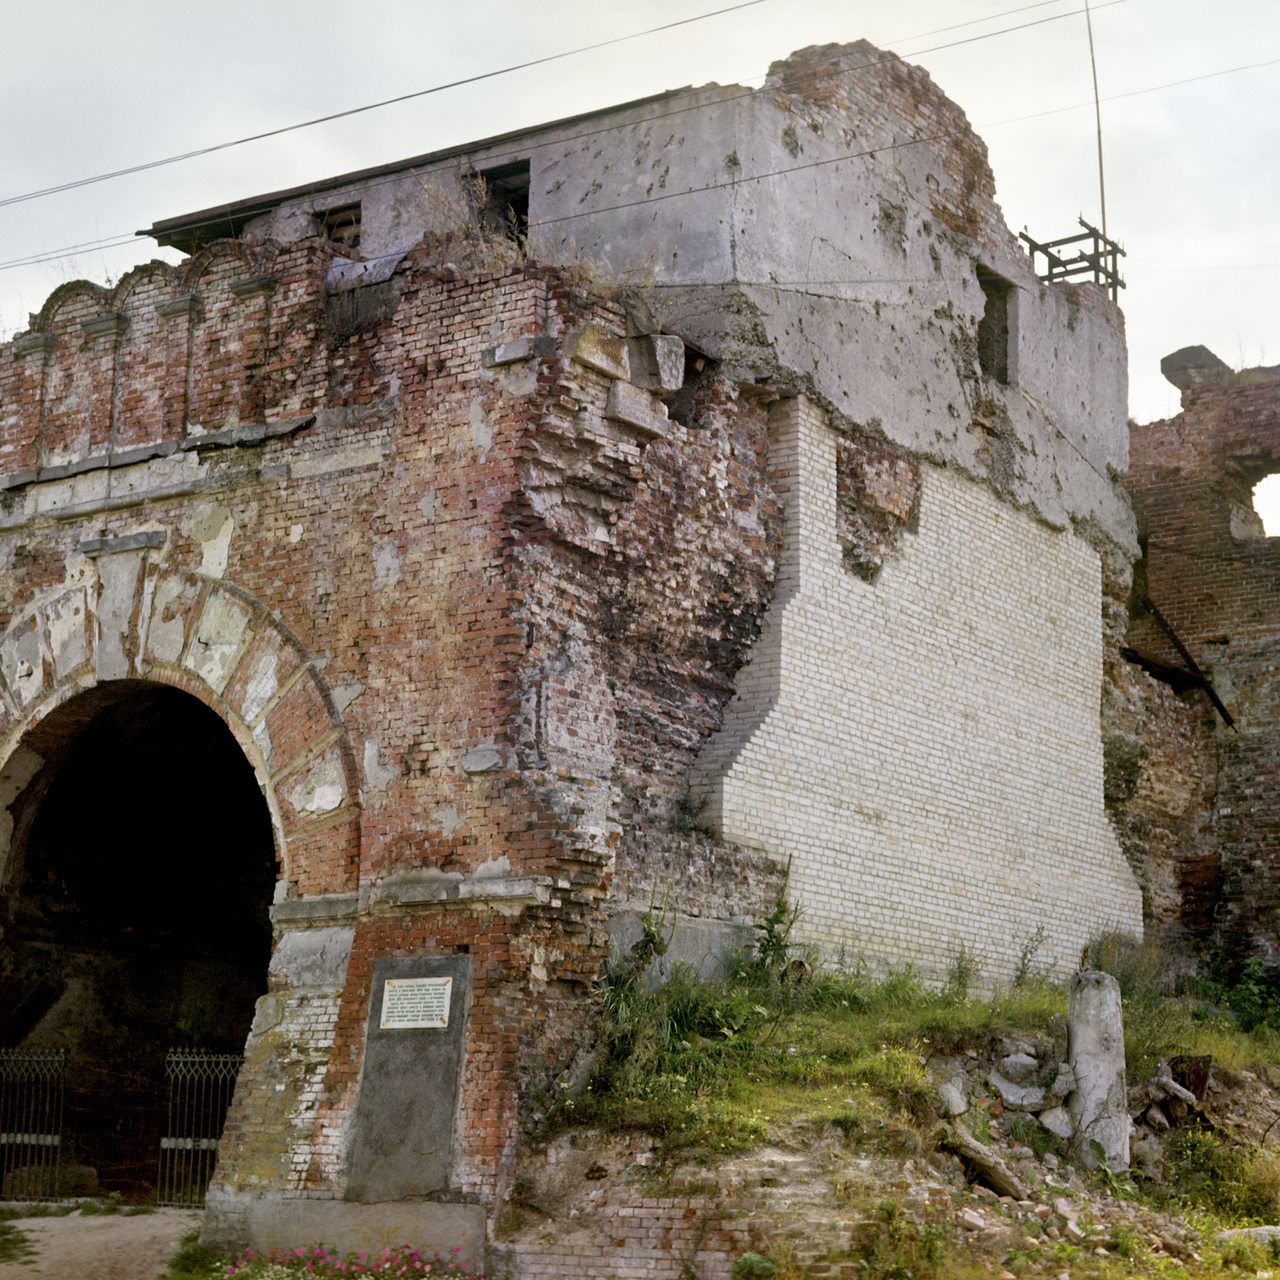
column 315, row 909
column 113, row 324
column 657, row 361
column 254, row 286
column 30, row 342
column 515, row 350
column 126, row 542
column 186, row 306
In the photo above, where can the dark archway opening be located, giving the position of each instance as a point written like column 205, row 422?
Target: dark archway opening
column 137, row 902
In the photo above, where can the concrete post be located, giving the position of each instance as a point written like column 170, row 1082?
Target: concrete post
column 1095, row 1049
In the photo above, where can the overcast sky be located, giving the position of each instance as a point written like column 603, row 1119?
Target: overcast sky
column 1193, row 182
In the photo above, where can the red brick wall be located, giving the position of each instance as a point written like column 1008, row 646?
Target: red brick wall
column 421, row 575
column 1220, row 591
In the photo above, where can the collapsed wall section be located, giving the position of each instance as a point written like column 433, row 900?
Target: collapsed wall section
column 1199, row 797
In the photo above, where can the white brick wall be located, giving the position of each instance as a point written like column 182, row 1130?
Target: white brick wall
column 926, row 747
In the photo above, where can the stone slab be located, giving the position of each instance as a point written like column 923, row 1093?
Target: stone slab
column 637, row 408
column 403, row 1128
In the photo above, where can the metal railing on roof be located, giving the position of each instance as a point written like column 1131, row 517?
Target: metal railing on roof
column 1099, row 262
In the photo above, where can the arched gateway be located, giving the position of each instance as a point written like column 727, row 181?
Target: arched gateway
column 167, row 745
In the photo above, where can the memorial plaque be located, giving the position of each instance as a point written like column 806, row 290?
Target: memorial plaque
column 402, row 1132
column 412, row 1003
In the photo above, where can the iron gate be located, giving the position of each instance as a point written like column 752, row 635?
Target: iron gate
column 30, row 1123
column 200, row 1089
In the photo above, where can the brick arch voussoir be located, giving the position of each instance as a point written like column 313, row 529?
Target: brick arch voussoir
column 66, row 294
column 207, row 260
column 223, row 646
column 128, row 284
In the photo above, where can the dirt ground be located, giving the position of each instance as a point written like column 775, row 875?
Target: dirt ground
column 102, row 1247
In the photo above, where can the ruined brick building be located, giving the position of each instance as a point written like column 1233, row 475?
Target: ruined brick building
column 382, row 603
column 1195, row 787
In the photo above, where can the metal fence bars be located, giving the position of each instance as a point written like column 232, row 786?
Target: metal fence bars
column 30, row 1123
column 200, row 1089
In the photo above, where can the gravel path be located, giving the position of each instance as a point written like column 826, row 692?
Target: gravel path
column 102, row 1247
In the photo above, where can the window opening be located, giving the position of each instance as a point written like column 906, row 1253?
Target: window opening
column 1266, row 502
column 505, row 196
column 342, row 226
column 994, row 328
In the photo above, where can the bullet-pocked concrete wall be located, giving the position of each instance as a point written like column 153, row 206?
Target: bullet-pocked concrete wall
column 925, row 747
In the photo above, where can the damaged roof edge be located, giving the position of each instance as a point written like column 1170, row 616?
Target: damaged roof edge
column 169, row 231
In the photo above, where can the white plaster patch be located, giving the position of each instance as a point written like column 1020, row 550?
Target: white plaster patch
column 447, row 820
column 65, row 619
column 22, row 665
column 481, row 759
column 324, row 789
column 356, row 457
column 261, row 686
column 118, row 579
column 479, row 426
column 262, row 737
column 376, row 774
column 313, row 958
column 295, row 533
column 427, row 505
column 494, row 868
column 166, row 636
column 211, row 525
column 345, row 694
column 220, row 632
column 386, row 566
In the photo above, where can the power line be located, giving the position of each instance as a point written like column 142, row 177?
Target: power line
column 271, row 133
column 372, row 106
column 114, row 242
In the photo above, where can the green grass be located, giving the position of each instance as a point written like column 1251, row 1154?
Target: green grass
column 14, row 1244
column 712, row 1068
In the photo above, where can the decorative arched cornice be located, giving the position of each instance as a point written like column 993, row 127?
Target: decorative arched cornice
column 142, row 274
column 122, row 618
column 216, row 252
column 65, row 294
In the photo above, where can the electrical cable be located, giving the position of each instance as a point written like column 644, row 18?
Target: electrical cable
column 54, row 255
column 114, row 242
column 222, row 146
column 372, row 106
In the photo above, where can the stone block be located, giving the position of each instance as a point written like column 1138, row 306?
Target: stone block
column 657, row 361
column 637, row 408
column 1100, row 1104
column 1018, row 1067
column 1058, row 1121
column 236, row 1219
column 590, row 345
column 402, row 1133
column 1017, row 1097
column 515, row 350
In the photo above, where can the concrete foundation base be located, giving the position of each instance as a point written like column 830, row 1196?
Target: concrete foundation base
column 234, row 1221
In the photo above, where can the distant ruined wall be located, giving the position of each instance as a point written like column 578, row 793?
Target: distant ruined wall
column 1201, row 804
